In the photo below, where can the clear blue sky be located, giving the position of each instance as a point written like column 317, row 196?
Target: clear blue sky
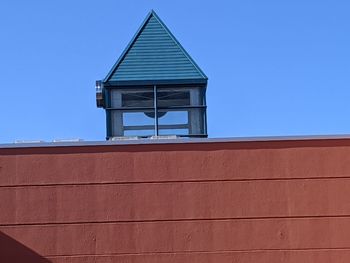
column 274, row 67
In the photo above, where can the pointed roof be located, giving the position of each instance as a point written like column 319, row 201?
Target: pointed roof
column 154, row 54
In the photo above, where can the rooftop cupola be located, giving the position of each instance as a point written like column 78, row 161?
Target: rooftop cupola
column 155, row 88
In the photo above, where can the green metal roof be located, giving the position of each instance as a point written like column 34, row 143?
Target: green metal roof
column 154, row 55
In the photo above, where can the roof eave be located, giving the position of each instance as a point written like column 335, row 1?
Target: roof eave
column 200, row 81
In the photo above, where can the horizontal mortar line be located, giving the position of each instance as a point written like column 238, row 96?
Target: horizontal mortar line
column 175, row 220
column 177, row 181
column 204, row 252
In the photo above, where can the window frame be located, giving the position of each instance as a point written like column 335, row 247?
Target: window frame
column 155, row 108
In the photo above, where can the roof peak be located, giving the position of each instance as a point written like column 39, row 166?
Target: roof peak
column 152, row 12
column 154, row 54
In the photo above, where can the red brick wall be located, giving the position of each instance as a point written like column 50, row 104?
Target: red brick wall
column 277, row 201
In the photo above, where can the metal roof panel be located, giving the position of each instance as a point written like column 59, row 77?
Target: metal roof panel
column 154, row 54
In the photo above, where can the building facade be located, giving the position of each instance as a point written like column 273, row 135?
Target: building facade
column 249, row 200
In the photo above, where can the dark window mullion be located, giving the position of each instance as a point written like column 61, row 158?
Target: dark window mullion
column 155, row 110
column 181, row 107
column 131, row 108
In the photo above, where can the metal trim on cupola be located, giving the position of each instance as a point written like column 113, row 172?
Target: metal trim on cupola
column 154, row 78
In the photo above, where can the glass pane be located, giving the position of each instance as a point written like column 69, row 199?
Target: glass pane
column 173, row 132
column 138, row 99
column 182, row 96
column 139, row 123
column 173, row 98
column 139, row 133
column 132, row 98
column 172, row 117
column 138, row 118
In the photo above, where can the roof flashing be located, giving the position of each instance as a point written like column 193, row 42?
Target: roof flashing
column 179, row 141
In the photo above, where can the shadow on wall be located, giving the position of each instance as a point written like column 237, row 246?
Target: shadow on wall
column 11, row 251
